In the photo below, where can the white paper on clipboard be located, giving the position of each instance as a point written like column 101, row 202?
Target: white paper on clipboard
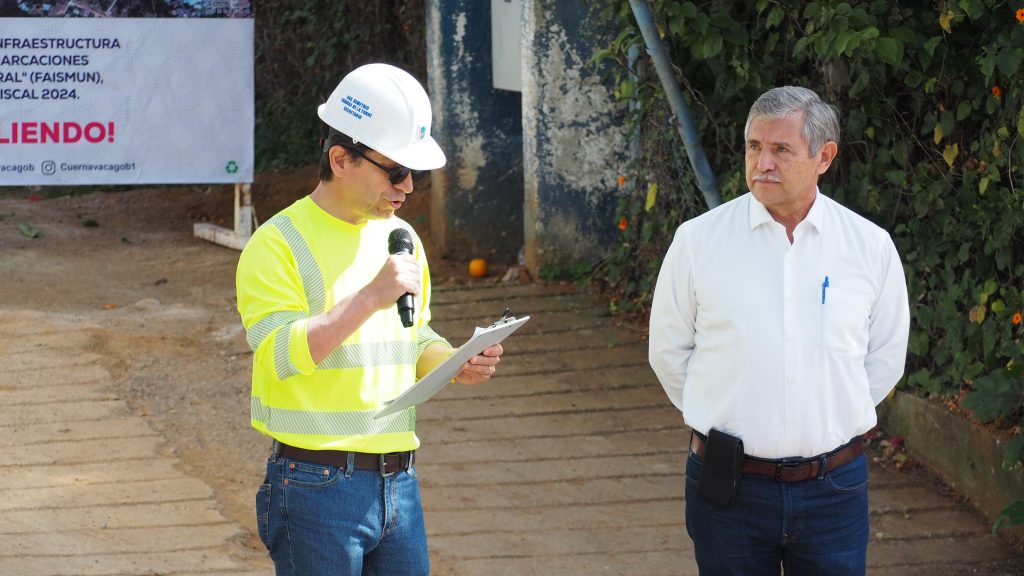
column 440, row 376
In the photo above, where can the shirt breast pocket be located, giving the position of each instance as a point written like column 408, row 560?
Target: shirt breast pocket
column 843, row 321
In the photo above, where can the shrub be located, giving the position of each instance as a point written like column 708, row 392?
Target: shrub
column 930, row 96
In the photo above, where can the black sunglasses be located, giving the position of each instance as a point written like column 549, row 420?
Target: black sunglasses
column 396, row 175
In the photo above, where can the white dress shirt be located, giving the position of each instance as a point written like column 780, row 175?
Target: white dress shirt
column 746, row 338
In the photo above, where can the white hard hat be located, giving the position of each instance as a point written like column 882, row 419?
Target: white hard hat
column 385, row 108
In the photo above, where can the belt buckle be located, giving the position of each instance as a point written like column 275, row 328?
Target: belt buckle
column 781, row 466
column 383, row 468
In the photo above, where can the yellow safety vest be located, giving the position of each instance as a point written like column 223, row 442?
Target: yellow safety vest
column 298, row 265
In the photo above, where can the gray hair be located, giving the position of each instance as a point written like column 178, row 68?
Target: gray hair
column 821, row 120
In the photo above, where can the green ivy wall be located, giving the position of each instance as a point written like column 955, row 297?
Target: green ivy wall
column 930, row 94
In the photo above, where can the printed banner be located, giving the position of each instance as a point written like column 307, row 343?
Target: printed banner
column 126, row 100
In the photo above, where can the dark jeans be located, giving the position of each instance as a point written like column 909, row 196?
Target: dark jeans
column 815, row 527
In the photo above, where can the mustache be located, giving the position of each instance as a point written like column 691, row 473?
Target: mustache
column 767, row 178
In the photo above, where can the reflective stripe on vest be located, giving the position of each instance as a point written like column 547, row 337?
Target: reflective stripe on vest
column 260, row 330
column 283, row 365
column 354, row 423
column 358, row 355
column 312, row 278
column 316, row 299
column 369, row 354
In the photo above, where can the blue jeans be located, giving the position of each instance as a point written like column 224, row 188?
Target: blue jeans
column 317, row 519
column 818, row 526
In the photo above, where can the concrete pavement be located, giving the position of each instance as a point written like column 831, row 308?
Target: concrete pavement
column 86, row 487
column 569, row 462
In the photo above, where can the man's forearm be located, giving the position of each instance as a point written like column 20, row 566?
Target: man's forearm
column 328, row 330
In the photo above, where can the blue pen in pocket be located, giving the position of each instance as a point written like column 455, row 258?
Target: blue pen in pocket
column 824, row 285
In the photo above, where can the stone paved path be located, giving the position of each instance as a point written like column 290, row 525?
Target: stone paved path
column 85, row 487
column 568, row 463
column 571, row 461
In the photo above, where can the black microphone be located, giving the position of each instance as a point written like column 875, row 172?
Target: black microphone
column 400, row 242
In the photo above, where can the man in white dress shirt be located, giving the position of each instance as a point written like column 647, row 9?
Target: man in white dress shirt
column 781, row 319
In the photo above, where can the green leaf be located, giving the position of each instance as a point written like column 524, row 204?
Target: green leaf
column 965, row 252
column 712, row 45
column 987, row 64
column 1008, row 61
column 948, row 121
column 930, row 45
column 995, row 395
column 28, row 230
column 987, row 290
column 891, row 50
column 1011, row 516
column 913, row 79
column 963, row 110
column 647, row 232
column 920, row 378
column 897, row 177
column 677, row 25
column 918, row 344
column 821, row 46
column 626, row 88
column 975, row 8
column 775, row 16
column 869, row 33
column 1014, row 452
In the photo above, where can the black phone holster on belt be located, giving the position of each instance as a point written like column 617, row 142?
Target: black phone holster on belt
column 723, row 466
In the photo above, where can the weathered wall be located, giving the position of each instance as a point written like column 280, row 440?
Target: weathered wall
column 573, row 139
column 477, row 199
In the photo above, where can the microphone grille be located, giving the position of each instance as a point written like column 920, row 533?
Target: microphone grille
column 400, row 241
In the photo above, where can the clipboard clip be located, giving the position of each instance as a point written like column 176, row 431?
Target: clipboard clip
column 506, row 317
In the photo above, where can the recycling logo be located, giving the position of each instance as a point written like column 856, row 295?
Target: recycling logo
column 232, row 167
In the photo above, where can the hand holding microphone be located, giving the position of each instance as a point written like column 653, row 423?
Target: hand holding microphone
column 400, row 242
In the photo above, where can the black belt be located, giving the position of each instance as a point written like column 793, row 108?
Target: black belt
column 791, row 471
column 386, row 464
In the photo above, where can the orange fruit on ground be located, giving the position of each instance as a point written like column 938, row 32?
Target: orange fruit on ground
column 478, row 268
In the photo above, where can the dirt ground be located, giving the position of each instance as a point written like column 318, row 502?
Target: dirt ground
column 128, row 261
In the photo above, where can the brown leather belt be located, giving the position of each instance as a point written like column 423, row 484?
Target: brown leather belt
column 791, row 471
column 386, row 464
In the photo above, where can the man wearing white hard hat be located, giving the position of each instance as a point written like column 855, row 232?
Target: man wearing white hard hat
column 317, row 290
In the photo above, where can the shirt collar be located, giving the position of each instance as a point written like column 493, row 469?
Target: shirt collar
column 760, row 215
column 816, row 215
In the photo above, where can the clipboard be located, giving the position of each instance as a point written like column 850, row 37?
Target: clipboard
column 441, row 375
